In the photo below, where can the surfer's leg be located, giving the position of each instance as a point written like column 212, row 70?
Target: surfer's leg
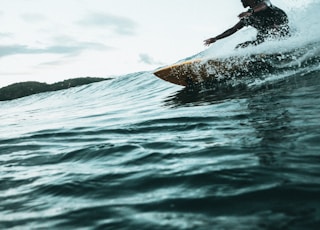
column 245, row 44
column 259, row 40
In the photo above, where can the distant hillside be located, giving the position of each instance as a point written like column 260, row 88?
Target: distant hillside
column 23, row 89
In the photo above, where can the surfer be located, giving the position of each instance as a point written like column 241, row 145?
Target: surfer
column 269, row 20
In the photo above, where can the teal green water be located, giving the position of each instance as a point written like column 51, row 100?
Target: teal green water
column 138, row 152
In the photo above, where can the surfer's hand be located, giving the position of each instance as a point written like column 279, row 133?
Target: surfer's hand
column 244, row 14
column 209, row 41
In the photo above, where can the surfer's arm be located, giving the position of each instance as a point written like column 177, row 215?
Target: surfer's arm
column 225, row 34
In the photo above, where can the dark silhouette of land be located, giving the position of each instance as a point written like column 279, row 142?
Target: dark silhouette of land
column 24, row 89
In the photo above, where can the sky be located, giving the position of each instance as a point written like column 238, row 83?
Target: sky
column 50, row 41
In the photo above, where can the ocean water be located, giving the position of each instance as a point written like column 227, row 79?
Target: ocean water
column 136, row 152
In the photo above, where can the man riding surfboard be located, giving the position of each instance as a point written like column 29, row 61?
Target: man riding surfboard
column 269, row 20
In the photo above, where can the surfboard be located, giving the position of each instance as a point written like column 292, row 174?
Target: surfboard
column 213, row 71
column 202, row 71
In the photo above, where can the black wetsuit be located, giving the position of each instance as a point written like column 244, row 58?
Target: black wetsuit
column 270, row 23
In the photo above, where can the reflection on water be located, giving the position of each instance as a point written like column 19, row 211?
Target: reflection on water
column 271, row 110
column 205, row 95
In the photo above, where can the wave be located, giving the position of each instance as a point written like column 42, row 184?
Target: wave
column 136, row 148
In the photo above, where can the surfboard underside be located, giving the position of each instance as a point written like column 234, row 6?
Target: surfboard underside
column 197, row 72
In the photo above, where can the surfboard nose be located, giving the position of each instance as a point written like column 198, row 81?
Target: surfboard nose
column 171, row 75
column 178, row 73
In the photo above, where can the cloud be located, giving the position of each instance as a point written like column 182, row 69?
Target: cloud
column 119, row 25
column 33, row 17
column 5, row 35
column 147, row 59
column 55, row 49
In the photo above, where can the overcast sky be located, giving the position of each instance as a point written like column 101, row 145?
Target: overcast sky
column 52, row 40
